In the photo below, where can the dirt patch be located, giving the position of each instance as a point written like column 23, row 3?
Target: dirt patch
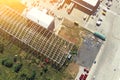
column 72, row 71
column 72, row 32
column 69, row 35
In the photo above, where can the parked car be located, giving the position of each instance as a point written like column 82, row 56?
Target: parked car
column 85, row 76
column 104, row 12
column 109, row 3
column 81, row 77
column 86, row 70
column 99, row 21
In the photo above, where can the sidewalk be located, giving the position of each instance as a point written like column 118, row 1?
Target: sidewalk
column 93, row 68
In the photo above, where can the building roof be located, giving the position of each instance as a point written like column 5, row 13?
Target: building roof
column 40, row 17
column 91, row 2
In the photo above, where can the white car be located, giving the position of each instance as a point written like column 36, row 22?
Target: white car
column 99, row 21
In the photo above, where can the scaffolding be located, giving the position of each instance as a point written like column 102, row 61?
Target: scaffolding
column 35, row 36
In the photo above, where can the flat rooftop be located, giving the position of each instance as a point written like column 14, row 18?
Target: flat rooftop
column 91, row 2
column 40, row 17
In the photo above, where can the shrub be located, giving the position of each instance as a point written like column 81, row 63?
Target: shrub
column 74, row 50
column 23, row 76
column 30, row 76
column 45, row 69
column 33, row 74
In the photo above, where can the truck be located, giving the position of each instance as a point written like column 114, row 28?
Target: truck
column 99, row 35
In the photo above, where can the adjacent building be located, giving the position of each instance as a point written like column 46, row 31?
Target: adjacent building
column 87, row 6
column 41, row 18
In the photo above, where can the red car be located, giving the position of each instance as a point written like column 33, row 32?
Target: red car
column 81, row 77
column 85, row 77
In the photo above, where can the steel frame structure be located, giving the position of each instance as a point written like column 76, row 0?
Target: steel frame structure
column 35, row 36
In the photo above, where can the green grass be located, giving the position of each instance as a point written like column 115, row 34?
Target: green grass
column 29, row 65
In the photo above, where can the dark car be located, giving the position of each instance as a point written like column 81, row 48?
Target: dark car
column 86, row 70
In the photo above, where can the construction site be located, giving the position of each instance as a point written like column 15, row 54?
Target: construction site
column 38, row 38
column 33, row 39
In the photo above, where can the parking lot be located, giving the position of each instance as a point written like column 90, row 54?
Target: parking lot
column 88, row 51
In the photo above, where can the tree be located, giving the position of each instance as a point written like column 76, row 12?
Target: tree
column 30, row 76
column 33, row 74
column 7, row 63
column 3, row 62
column 17, row 67
column 45, row 69
column 41, row 73
column 1, row 48
column 23, row 76
column 15, row 59
column 74, row 50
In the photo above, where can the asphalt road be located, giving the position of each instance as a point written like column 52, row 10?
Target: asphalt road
column 108, row 60
column 108, row 67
